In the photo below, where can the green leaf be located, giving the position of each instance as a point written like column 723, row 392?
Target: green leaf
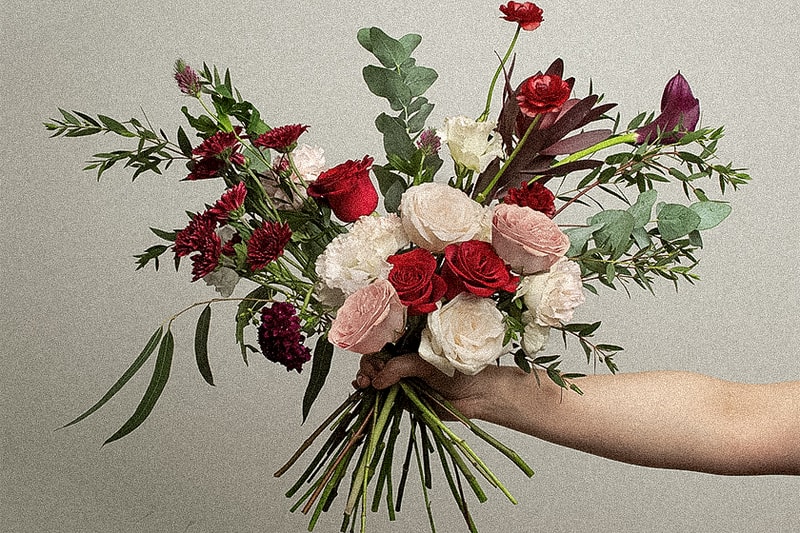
column 69, row 117
column 390, row 52
column 137, row 364
column 711, row 213
column 419, row 79
column 643, row 208
column 395, row 136
column 115, row 126
column 676, row 221
column 578, row 237
column 417, row 121
column 410, row 42
column 184, row 143
column 615, row 235
column 522, row 362
column 387, row 84
column 157, row 383
column 320, row 366
column 201, row 345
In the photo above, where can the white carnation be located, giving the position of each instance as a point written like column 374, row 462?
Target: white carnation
column 553, row 295
column 355, row 259
column 309, row 161
column 472, row 144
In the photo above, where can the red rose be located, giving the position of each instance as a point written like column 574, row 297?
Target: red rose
column 347, row 189
column 474, row 266
column 536, row 196
column 527, row 14
column 416, row 282
column 542, row 93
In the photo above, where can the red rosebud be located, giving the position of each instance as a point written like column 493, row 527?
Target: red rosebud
column 536, row 196
column 679, row 107
column 347, row 189
column 527, row 14
column 267, row 244
column 281, row 139
column 415, row 280
column 231, row 201
column 474, row 266
column 542, row 93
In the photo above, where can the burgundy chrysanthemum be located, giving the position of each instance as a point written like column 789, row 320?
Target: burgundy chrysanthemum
column 214, row 153
column 231, row 200
column 267, row 244
column 195, row 234
column 280, row 338
column 281, row 139
column 207, row 260
column 536, row 196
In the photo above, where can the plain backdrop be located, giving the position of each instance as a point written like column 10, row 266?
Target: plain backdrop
column 74, row 312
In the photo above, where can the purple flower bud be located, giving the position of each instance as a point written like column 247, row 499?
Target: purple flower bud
column 429, row 142
column 679, row 108
column 187, row 78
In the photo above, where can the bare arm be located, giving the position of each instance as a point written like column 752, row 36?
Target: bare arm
column 676, row 420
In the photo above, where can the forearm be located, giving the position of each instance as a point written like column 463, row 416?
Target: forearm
column 659, row 419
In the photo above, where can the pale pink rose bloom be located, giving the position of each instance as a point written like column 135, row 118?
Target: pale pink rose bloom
column 553, row 296
column 526, row 239
column 368, row 319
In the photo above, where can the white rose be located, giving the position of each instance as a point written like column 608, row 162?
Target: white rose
column 466, row 334
column 354, row 260
column 435, row 215
column 553, row 296
column 535, row 336
column 472, row 144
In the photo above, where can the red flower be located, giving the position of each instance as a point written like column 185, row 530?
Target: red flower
column 231, row 200
column 679, row 107
column 474, row 266
column 414, row 278
column 215, row 152
column 347, row 189
column 194, row 235
column 542, row 93
column 267, row 244
column 281, row 139
column 280, row 337
column 205, row 262
column 536, row 196
column 187, row 78
column 527, row 14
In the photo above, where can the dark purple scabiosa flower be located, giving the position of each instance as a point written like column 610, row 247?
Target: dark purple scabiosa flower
column 187, row 78
column 679, row 109
column 280, row 338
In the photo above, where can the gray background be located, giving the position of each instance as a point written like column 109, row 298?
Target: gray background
column 75, row 314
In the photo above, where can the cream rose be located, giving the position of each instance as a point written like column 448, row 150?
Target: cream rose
column 472, row 144
column 368, row 319
column 526, row 239
column 465, row 334
column 553, row 296
column 435, row 215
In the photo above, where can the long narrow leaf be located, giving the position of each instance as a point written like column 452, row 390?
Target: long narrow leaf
column 154, row 389
column 201, row 345
column 320, row 366
column 137, row 364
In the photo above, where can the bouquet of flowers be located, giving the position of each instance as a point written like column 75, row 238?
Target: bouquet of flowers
column 465, row 269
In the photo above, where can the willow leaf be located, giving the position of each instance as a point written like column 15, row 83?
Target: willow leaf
column 157, row 383
column 321, row 365
column 201, row 345
column 137, row 364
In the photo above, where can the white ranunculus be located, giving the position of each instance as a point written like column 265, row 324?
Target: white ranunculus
column 435, row 215
column 553, row 295
column 472, row 144
column 354, row 260
column 535, row 336
column 223, row 279
column 465, row 334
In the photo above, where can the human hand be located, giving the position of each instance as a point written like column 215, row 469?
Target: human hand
column 466, row 393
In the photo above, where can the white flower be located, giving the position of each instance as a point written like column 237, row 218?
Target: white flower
column 465, row 334
column 535, row 336
column 355, row 259
column 435, row 215
column 223, row 279
column 472, row 144
column 553, row 296
column 309, row 161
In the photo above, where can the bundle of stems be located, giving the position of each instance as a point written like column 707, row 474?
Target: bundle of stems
column 364, row 431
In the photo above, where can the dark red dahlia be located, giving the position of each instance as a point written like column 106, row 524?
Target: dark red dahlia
column 536, row 196
column 281, row 139
column 280, row 338
column 232, row 200
column 267, row 244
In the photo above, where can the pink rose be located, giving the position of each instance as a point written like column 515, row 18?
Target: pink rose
column 526, row 239
column 369, row 318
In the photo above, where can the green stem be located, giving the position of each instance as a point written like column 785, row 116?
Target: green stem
column 497, row 72
column 612, row 141
column 482, row 196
